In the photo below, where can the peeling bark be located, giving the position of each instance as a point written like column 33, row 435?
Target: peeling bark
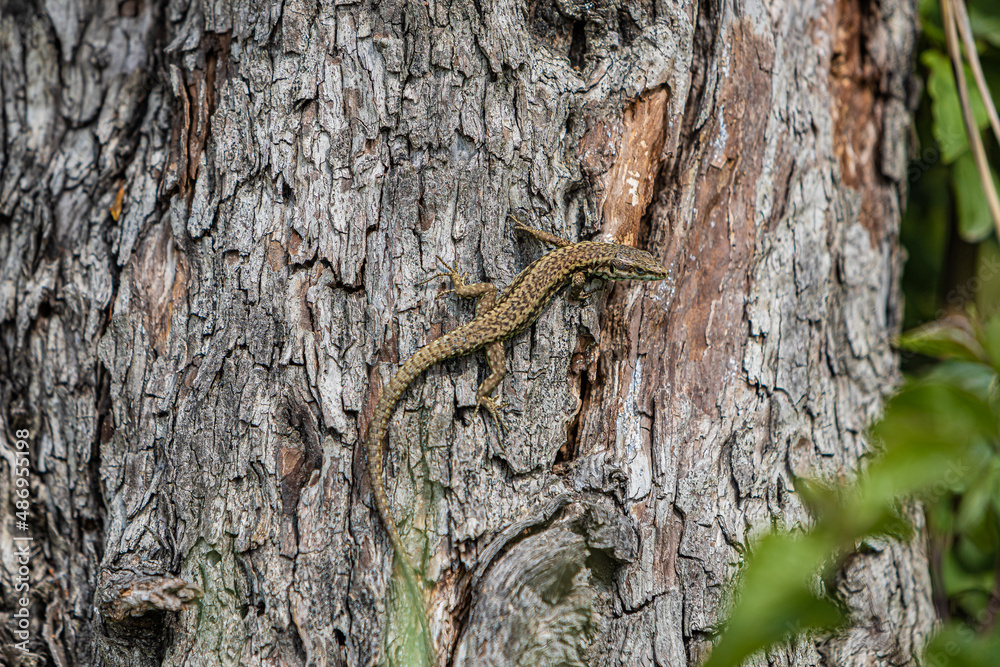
column 215, row 218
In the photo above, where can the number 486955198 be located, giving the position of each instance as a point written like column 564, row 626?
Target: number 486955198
column 21, row 475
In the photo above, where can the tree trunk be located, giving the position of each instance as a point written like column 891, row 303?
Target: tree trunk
column 215, row 218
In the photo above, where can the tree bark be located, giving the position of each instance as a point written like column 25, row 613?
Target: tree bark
column 215, row 218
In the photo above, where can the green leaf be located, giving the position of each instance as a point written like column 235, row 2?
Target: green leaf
column 949, row 128
column 976, row 558
column 777, row 598
column 967, row 589
column 987, row 293
column 985, row 24
column 990, row 337
column 958, row 646
column 928, row 431
column 973, row 377
column 975, row 222
column 951, row 338
column 820, row 498
column 974, row 510
column 930, row 20
column 940, row 513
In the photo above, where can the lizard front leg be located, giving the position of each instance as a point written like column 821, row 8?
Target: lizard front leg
column 576, row 291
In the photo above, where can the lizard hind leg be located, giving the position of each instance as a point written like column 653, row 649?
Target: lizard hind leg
column 498, row 370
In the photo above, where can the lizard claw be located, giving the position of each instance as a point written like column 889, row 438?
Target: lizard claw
column 451, row 269
column 519, row 221
column 589, row 293
column 494, row 409
column 458, row 279
column 427, row 280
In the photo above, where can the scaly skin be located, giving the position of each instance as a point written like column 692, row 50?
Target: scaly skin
column 498, row 319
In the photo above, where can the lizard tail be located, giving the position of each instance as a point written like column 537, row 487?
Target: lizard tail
column 420, row 639
column 379, row 425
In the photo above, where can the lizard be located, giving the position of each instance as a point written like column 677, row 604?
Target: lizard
column 498, row 318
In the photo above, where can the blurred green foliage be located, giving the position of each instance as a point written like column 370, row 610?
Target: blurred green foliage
column 947, row 230
column 938, row 441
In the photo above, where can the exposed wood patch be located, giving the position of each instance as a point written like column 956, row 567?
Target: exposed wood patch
column 160, row 279
column 634, row 147
column 858, row 110
column 623, row 158
column 299, row 455
column 276, row 256
column 195, row 101
column 721, row 237
column 582, row 367
column 176, row 171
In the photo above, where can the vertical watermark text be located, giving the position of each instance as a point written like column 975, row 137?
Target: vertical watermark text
column 22, row 539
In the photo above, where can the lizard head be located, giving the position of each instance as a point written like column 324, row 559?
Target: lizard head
column 630, row 263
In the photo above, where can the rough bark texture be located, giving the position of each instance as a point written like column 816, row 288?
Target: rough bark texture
column 214, row 216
